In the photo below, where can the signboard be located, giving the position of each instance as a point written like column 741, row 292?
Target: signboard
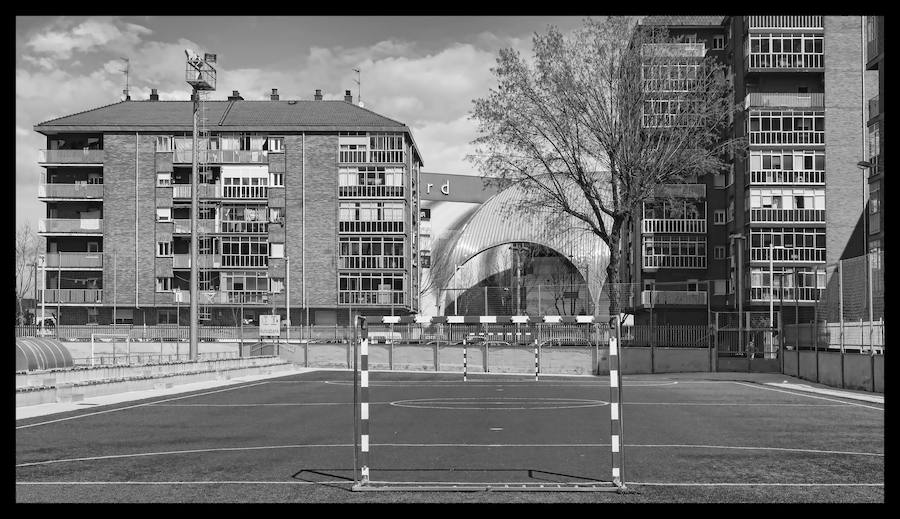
column 270, row 326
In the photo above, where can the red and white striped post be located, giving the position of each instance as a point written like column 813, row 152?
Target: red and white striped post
column 614, row 406
column 465, row 361
column 536, row 361
column 364, row 401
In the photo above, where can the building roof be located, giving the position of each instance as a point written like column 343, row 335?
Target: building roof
column 683, row 21
column 265, row 115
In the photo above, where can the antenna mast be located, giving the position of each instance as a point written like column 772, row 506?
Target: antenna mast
column 359, row 84
column 125, row 70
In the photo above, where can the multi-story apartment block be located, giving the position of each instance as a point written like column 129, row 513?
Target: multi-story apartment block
column 771, row 214
column 875, row 126
column 312, row 196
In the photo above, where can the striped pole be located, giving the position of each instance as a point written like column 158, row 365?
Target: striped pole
column 465, row 361
column 536, row 362
column 614, row 410
column 364, row 409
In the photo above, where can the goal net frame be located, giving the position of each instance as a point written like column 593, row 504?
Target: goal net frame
column 361, row 439
column 96, row 337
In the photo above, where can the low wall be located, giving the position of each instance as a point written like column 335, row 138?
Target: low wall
column 74, row 392
column 855, row 372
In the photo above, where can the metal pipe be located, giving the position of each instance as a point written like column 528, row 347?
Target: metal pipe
column 195, row 214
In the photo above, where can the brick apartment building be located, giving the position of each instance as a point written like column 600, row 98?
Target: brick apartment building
column 317, row 197
column 788, row 72
column 875, row 124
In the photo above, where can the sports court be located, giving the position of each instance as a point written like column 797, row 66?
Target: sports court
column 687, row 437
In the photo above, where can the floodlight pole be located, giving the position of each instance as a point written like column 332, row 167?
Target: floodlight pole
column 195, row 213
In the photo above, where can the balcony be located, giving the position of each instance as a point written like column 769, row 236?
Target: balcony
column 784, row 100
column 70, row 190
column 673, row 50
column 71, row 225
column 793, row 254
column 72, row 295
column 86, row 156
column 183, row 226
column 183, row 261
column 74, row 260
column 220, row 297
column 371, row 298
column 780, row 23
column 222, row 157
column 787, row 137
column 183, row 191
column 767, row 215
column 667, row 225
column 654, row 262
column 672, row 297
column 786, row 294
column 787, row 177
column 774, row 61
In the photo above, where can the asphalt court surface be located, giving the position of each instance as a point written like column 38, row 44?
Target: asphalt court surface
column 297, row 432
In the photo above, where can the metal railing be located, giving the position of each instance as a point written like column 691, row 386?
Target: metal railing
column 803, row 254
column 670, row 225
column 671, row 261
column 72, row 295
column 371, row 297
column 675, row 50
column 72, row 225
column 787, row 137
column 786, row 294
column 787, row 100
column 75, row 260
column 183, row 226
column 183, row 261
column 785, row 60
column 766, row 215
column 222, row 156
column 70, row 190
column 85, row 156
column 787, row 177
column 672, row 297
column 786, row 22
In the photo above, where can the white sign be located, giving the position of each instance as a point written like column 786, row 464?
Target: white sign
column 270, row 326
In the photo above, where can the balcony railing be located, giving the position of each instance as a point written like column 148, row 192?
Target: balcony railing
column 75, row 260
column 370, row 191
column 370, row 297
column 73, row 295
column 786, row 294
column 805, row 255
column 183, row 261
column 787, row 177
column 206, row 190
column 213, row 297
column 666, row 225
column 71, row 225
column 674, row 262
column 785, row 60
column 70, row 191
column 370, row 227
column 787, row 137
column 222, row 156
column 674, row 50
column 786, row 22
column 784, row 100
column 787, row 215
column 72, row 156
column 672, row 297
column 183, row 226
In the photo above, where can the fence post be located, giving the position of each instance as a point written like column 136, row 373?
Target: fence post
column 841, row 308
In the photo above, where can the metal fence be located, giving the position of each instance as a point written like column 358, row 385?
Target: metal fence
column 133, row 359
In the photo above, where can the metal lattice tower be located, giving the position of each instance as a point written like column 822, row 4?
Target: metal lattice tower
column 204, row 171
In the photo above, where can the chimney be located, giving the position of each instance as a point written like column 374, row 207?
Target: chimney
column 274, row 96
column 235, row 96
column 153, row 95
column 348, row 97
column 318, row 96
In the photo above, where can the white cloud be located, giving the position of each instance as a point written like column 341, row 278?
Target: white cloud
column 92, row 34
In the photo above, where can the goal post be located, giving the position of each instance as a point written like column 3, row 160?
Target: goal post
column 362, row 478
column 115, row 339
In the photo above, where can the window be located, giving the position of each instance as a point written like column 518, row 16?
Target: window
column 371, row 252
column 719, row 216
column 718, row 42
column 719, row 286
column 277, row 250
column 276, row 144
column 276, row 179
column 163, row 214
column 719, row 252
column 163, row 179
column 163, row 284
column 163, row 248
column 164, row 143
column 276, row 285
column 276, row 215
column 245, row 251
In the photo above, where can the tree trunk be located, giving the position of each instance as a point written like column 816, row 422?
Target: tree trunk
column 614, row 287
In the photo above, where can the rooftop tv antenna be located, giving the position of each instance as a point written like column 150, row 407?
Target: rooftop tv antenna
column 125, row 70
column 201, row 75
column 359, row 84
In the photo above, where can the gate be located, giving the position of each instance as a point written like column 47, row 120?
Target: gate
column 751, row 343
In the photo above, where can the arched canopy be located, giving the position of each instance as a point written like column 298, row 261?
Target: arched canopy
column 37, row 353
column 507, row 218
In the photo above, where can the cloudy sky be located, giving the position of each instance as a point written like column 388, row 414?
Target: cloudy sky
column 423, row 71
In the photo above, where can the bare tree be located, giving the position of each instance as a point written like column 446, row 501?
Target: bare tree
column 28, row 247
column 591, row 125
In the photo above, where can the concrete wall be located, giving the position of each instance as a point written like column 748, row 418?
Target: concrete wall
column 858, row 369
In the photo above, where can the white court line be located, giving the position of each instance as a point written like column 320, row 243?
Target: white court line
column 401, row 383
column 491, row 483
column 807, row 395
column 136, row 405
column 433, row 445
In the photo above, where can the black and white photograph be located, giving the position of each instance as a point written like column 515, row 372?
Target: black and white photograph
column 485, row 259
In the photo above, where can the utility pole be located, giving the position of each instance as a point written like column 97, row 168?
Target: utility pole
column 115, row 296
column 202, row 77
column 287, row 304
column 42, row 259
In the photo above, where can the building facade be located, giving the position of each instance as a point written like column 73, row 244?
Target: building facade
column 310, row 203
column 875, row 125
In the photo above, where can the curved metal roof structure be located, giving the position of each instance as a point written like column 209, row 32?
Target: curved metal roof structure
column 503, row 219
column 38, row 353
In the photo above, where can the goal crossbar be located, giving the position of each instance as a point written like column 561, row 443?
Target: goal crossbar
column 361, row 475
column 115, row 339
